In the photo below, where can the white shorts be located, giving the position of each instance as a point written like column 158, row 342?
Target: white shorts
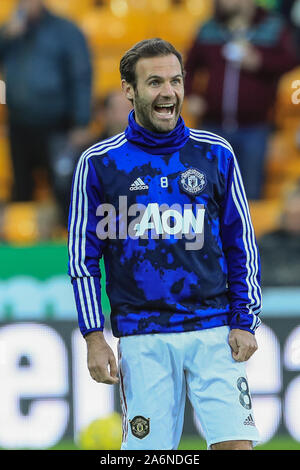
column 156, row 373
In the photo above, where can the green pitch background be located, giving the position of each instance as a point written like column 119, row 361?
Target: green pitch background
column 193, row 443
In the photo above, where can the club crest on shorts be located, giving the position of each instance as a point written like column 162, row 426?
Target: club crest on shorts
column 192, row 181
column 140, row 426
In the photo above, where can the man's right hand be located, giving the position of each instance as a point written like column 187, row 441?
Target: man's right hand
column 101, row 360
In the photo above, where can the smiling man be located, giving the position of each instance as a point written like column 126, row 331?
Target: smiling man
column 185, row 313
column 158, row 95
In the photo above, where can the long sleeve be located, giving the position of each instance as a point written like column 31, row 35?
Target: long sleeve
column 85, row 248
column 240, row 248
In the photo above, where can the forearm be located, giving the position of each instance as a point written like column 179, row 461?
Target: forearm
column 87, row 293
column 244, row 290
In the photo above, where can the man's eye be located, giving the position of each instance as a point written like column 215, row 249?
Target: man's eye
column 154, row 83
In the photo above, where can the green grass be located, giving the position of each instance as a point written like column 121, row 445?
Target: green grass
column 194, row 443
column 278, row 443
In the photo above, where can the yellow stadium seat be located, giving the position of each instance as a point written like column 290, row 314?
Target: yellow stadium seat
column 287, row 108
column 102, row 28
column 6, row 174
column 276, row 186
column 106, row 74
column 265, row 215
column 72, row 9
column 107, row 32
column 282, row 150
column 293, row 170
column 20, row 223
column 6, row 9
column 30, row 222
column 179, row 24
column 283, row 163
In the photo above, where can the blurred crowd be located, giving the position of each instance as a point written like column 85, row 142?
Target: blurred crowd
column 237, row 59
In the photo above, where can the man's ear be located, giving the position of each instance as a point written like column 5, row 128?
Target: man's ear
column 128, row 90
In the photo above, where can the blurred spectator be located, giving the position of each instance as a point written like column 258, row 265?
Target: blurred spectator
column 280, row 249
column 114, row 114
column 244, row 51
column 47, row 70
column 109, row 117
column 290, row 9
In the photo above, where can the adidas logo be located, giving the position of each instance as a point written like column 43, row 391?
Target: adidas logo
column 249, row 421
column 138, row 185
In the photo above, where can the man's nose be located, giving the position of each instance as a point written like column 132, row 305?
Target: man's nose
column 167, row 89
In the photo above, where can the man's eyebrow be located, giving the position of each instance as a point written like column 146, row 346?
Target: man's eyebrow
column 159, row 77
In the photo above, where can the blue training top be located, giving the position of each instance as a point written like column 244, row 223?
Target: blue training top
column 168, row 213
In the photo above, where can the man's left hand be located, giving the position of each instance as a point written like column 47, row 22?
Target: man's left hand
column 243, row 344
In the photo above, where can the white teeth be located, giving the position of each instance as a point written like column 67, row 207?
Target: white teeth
column 164, row 105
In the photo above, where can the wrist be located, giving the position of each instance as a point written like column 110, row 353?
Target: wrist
column 94, row 336
column 242, row 328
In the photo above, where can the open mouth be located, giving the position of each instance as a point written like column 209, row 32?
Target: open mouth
column 165, row 109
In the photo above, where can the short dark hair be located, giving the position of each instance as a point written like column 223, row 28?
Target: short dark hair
column 145, row 49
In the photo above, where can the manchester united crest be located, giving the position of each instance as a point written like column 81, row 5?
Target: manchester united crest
column 192, row 181
column 140, row 426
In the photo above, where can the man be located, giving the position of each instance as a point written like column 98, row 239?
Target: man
column 233, row 67
column 182, row 276
column 47, row 71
